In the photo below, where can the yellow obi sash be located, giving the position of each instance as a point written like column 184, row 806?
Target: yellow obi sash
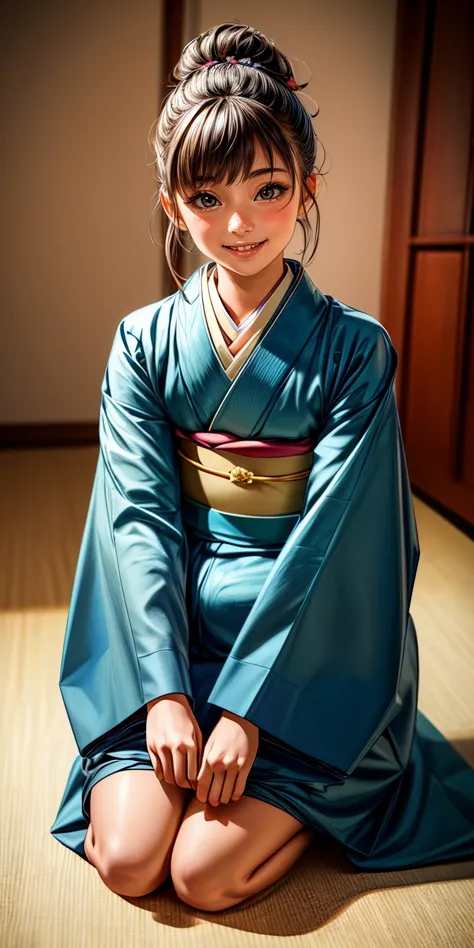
column 234, row 483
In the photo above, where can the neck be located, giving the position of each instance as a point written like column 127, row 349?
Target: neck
column 242, row 294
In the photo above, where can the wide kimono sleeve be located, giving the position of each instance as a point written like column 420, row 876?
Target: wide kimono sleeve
column 317, row 662
column 126, row 638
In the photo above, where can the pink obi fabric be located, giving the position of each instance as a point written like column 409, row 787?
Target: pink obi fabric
column 218, row 440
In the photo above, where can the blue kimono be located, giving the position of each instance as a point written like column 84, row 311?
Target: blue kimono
column 298, row 622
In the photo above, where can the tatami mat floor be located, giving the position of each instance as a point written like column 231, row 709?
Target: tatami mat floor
column 52, row 898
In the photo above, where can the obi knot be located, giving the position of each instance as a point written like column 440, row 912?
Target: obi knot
column 241, row 475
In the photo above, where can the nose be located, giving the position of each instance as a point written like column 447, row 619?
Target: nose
column 239, row 224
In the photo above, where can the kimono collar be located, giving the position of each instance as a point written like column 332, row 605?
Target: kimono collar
column 268, row 303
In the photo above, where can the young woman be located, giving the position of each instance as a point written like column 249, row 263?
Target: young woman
column 240, row 665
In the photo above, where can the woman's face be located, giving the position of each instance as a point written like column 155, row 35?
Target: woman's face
column 257, row 210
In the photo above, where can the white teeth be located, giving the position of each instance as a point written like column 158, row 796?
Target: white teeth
column 243, row 249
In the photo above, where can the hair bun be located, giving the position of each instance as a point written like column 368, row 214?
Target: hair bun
column 237, row 41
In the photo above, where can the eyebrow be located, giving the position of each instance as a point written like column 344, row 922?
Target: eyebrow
column 256, row 173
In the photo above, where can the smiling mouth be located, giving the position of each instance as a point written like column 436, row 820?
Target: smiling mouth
column 243, row 247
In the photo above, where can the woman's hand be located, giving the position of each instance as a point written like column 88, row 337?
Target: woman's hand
column 174, row 740
column 227, row 759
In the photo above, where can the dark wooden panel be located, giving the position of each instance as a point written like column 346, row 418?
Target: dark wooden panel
column 427, row 291
column 467, row 448
column 448, row 124
column 449, row 513
column 171, row 48
column 450, row 240
column 49, row 435
column 456, row 496
column 411, row 63
column 430, row 422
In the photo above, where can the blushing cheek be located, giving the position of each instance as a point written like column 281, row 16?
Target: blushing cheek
column 204, row 230
column 279, row 220
column 284, row 223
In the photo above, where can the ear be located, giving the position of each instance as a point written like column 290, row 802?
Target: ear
column 311, row 181
column 166, row 204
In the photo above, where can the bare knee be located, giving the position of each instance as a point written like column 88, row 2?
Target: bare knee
column 196, row 886
column 124, row 872
column 197, row 891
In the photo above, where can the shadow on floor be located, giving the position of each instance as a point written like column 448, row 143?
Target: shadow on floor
column 320, row 886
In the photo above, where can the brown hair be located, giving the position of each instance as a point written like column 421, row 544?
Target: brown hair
column 212, row 118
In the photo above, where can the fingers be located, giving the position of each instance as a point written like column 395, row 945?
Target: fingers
column 192, row 764
column 217, row 782
column 199, row 743
column 218, row 779
column 240, row 784
column 174, row 741
column 156, row 763
column 166, row 765
column 177, row 764
column 204, row 780
column 229, row 784
column 194, row 757
column 214, row 781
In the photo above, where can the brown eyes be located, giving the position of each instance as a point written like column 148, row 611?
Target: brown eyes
column 205, row 195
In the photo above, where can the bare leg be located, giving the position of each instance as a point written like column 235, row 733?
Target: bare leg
column 277, row 864
column 134, row 822
column 228, row 853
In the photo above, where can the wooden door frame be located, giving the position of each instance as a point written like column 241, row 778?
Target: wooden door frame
column 414, row 34
column 172, row 33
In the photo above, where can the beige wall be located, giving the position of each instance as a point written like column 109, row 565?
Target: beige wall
column 81, row 90
column 80, row 94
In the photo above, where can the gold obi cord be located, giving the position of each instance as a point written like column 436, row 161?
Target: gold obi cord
column 233, row 483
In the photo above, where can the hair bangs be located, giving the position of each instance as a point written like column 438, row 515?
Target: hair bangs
column 219, row 144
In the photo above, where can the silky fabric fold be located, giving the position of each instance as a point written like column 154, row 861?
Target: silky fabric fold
column 299, row 623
